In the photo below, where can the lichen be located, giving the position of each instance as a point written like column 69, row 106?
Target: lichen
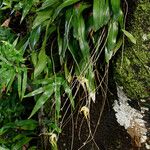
column 130, row 118
column 133, row 69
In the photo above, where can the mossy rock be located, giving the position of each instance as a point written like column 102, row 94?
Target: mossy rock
column 132, row 71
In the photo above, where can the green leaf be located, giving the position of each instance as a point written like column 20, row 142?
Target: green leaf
column 34, row 57
column 42, row 57
column 68, row 25
column 26, row 8
column 41, row 17
column 35, row 92
column 12, row 77
column 3, row 130
column 67, row 73
column 32, row 148
column 118, row 45
column 34, row 37
column 19, row 141
column 79, row 28
column 54, row 127
column 130, row 36
column 6, row 34
column 24, row 83
column 68, row 91
column 49, row 4
column 63, row 5
column 91, row 82
column 121, row 18
column 58, row 100
column 42, row 100
column 115, row 5
column 6, row 5
column 117, row 12
column 112, row 35
column 108, row 54
column 45, row 81
column 42, row 61
column 6, row 127
column 19, row 83
column 2, row 148
column 5, row 60
column 74, row 52
column 23, row 43
column 111, row 40
column 15, row 41
column 26, row 124
column 101, row 13
column 60, row 45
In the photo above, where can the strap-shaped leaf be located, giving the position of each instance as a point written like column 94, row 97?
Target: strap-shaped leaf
column 26, row 124
column 22, row 141
column 12, row 77
column 90, row 82
column 57, row 100
column 42, row 61
column 112, row 34
column 129, row 36
column 121, row 18
column 117, row 12
column 44, row 81
column 111, row 40
column 35, row 92
column 101, row 13
column 34, row 37
column 68, row 25
column 19, row 83
column 63, row 5
column 54, row 79
column 26, row 8
column 118, row 45
column 115, row 5
column 42, row 57
column 41, row 17
column 68, row 91
column 67, row 73
column 34, row 58
column 60, row 45
column 24, row 83
column 74, row 54
column 49, row 3
column 79, row 28
column 42, row 100
column 108, row 54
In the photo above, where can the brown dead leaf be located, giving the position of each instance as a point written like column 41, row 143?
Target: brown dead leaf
column 6, row 23
column 134, row 132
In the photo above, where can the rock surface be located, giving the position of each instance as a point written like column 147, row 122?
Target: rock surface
column 133, row 69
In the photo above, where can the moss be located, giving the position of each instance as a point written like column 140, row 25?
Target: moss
column 133, row 70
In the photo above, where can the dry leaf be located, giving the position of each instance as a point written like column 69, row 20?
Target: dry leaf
column 6, row 23
column 134, row 132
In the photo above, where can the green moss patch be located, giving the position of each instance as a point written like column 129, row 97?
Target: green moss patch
column 133, row 69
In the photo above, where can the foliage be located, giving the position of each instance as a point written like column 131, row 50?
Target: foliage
column 11, row 64
column 59, row 52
